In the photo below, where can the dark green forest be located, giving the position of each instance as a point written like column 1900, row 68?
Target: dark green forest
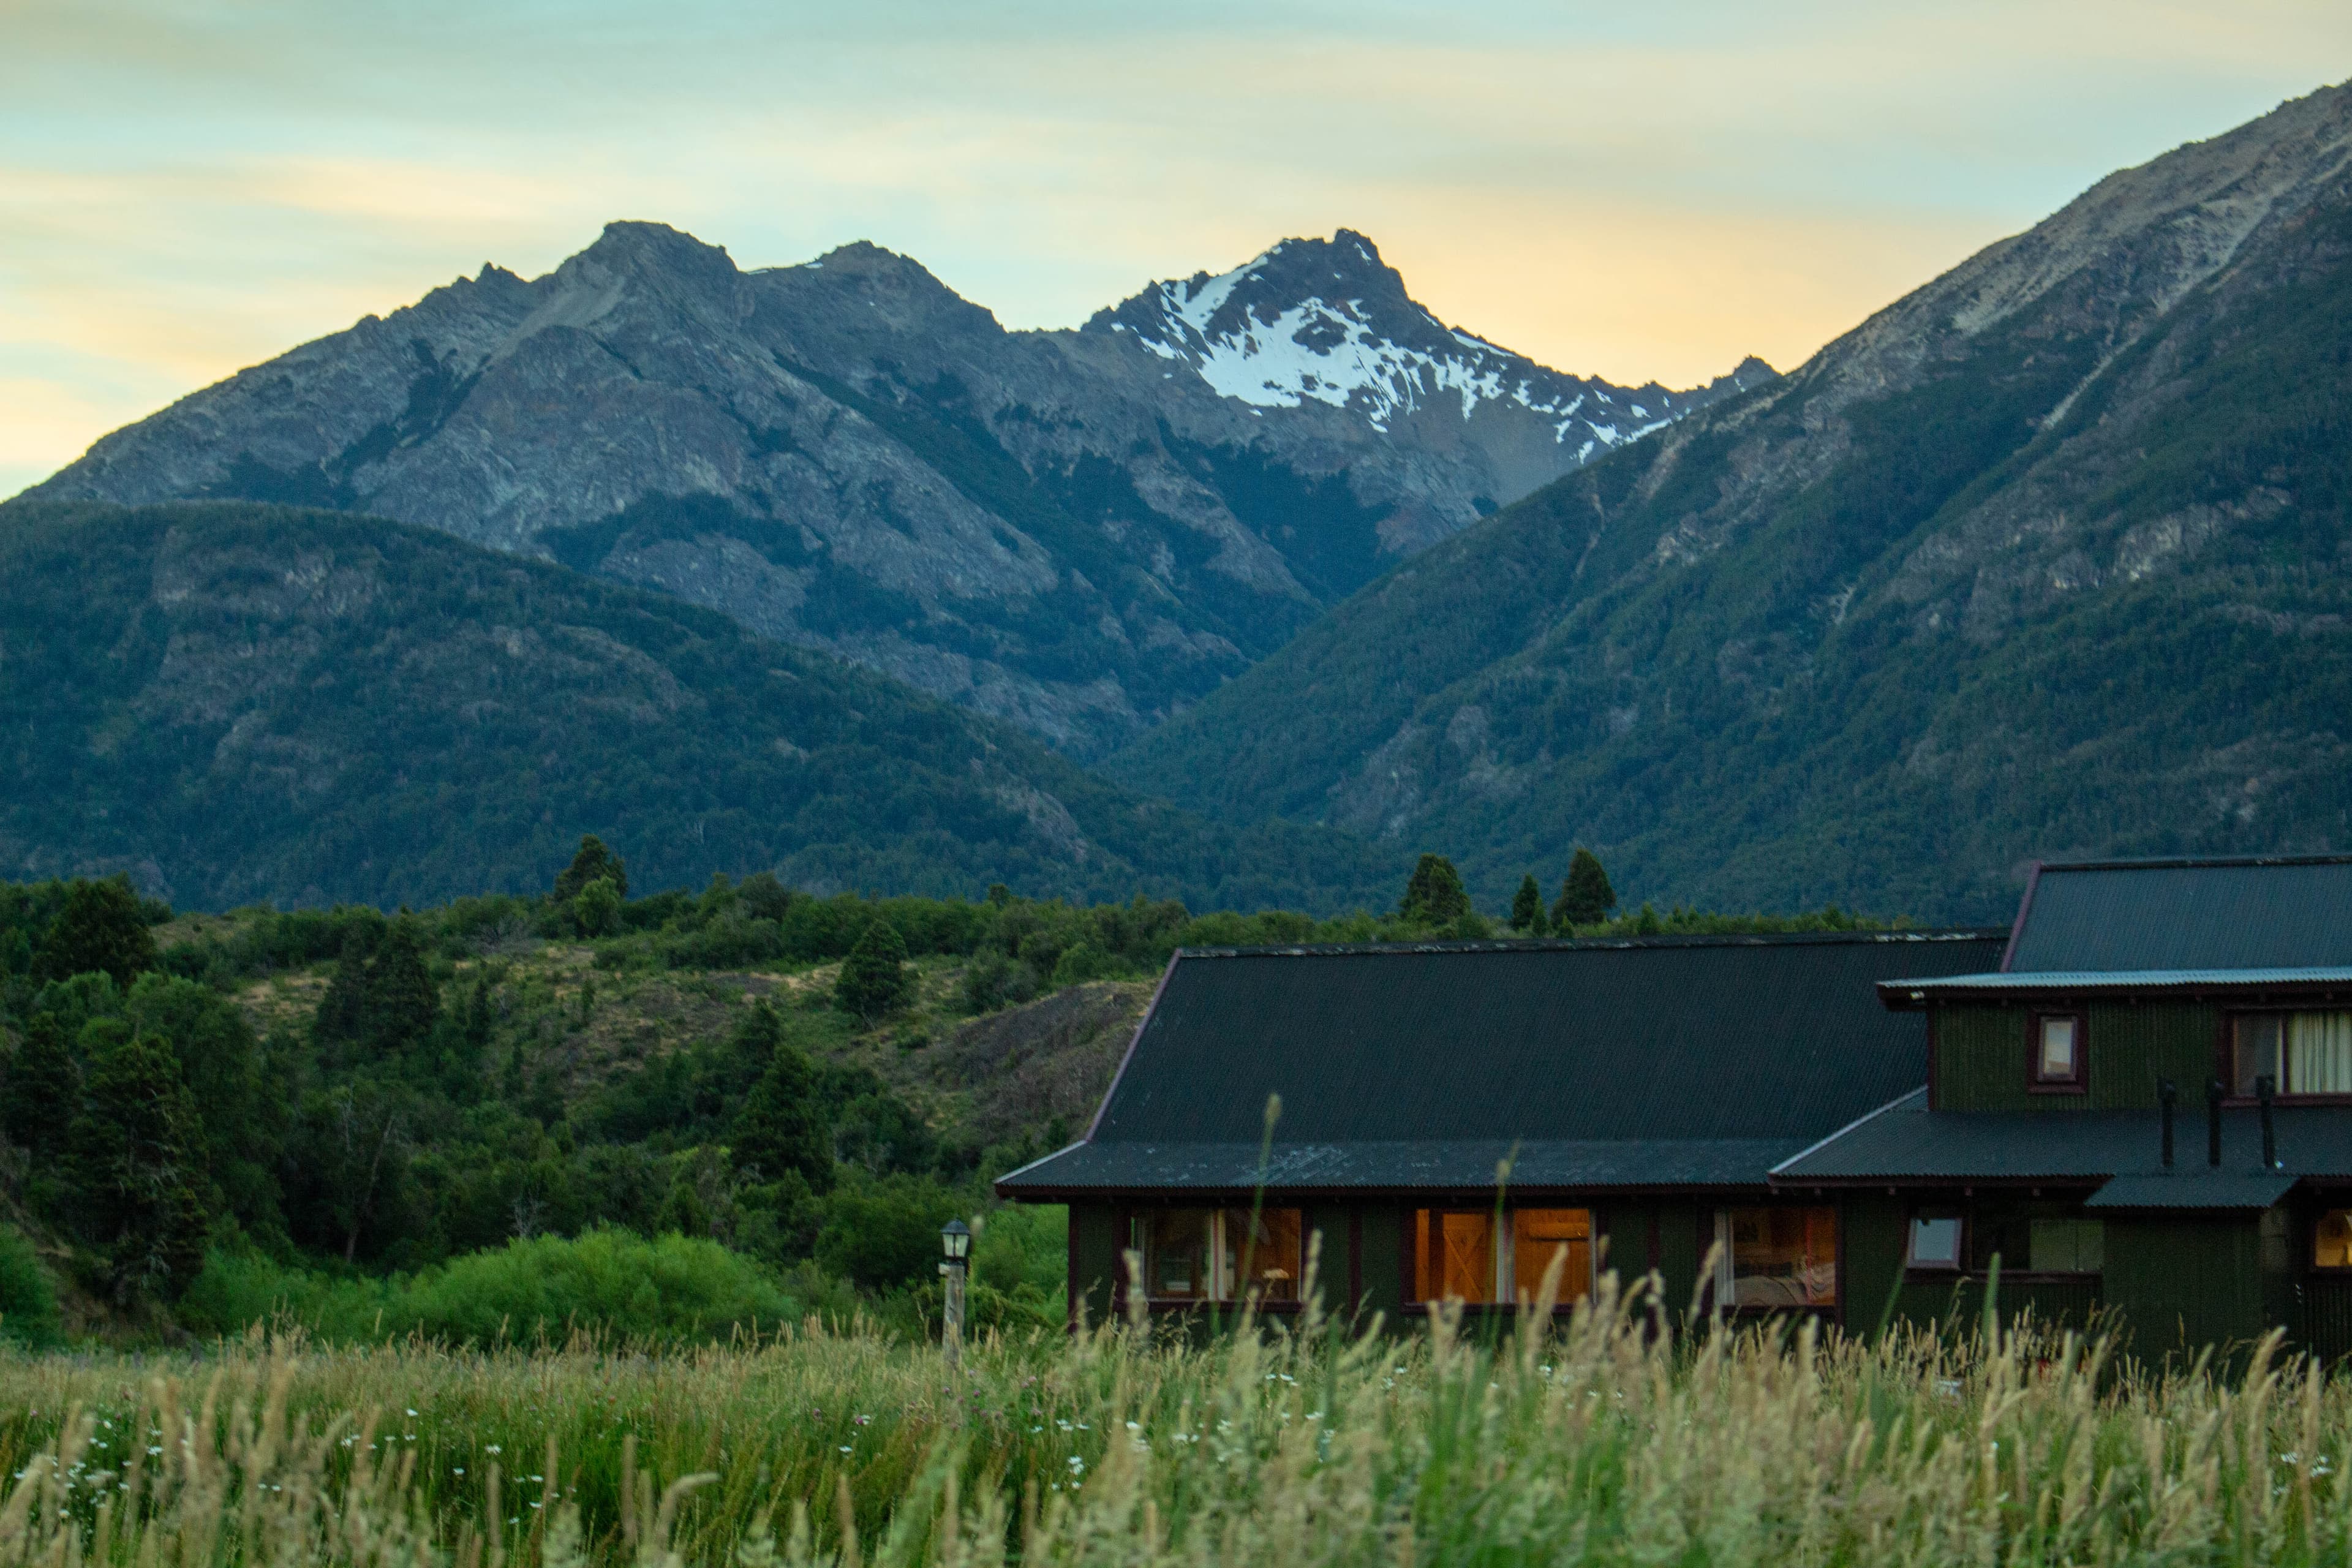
column 236, row 702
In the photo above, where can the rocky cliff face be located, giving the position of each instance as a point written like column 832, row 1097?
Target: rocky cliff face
column 1079, row 532
column 2051, row 556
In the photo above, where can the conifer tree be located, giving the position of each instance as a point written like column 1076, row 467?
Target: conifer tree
column 44, row 1088
column 1585, row 895
column 1528, row 908
column 592, row 862
column 136, row 1150
column 100, row 929
column 782, row 1126
column 875, row 978
column 1435, row 896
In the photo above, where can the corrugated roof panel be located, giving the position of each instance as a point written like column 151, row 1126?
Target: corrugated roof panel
column 2119, row 980
column 2196, row 1189
column 1662, row 1040
column 2280, row 913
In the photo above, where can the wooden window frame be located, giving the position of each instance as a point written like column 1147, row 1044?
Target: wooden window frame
column 2080, row 1081
column 1503, row 1241
column 1215, row 1261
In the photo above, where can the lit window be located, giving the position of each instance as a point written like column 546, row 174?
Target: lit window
column 2300, row 1053
column 1540, row 1236
column 1777, row 1257
column 1201, row 1254
column 1455, row 1255
column 1266, row 1258
column 2332, row 1247
column 2065, row 1246
column 1935, row 1242
column 2058, row 1050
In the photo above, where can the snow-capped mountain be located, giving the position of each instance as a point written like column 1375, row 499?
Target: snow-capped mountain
column 1328, row 320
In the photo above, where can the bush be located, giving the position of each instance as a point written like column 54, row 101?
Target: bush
column 885, row 1232
column 672, row 1290
column 28, row 1303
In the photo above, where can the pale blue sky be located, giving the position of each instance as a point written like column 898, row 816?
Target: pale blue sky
column 187, row 186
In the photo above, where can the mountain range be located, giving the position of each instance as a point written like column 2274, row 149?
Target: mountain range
column 2049, row 558
column 1079, row 532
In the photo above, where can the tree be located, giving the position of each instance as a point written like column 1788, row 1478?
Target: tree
column 382, row 997
column 1585, row 896
column 782, row 1125
column 240, row 1113
column 875, row 978
column 137, row 1156
column 100, row 929
column 598, row 908
column 44, row 1086
column 592, row 863
column 1435, row 896
column 1528, row 908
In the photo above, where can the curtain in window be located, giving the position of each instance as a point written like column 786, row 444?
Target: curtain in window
column 2319, row 1053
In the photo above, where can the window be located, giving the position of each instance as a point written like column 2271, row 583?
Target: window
column 1268, row 1260
column 2301, row 1053
column 2058, row 1054
column 1455, row 1255
column 2332, row 1244
column 2065, row 1246
column 1935, row 1242
column 1201, row 1255
column 1777, row 1257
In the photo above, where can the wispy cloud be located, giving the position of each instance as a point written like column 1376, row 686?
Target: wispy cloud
column 187, row 186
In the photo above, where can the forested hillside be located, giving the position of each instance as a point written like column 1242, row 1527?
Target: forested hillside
column 236, row 702
column 766, row 1101
column 2053, row 557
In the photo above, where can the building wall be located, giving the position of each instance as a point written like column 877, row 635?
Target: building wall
column 2181, row 1282
column 1982, row 1060
column 1096, row 1243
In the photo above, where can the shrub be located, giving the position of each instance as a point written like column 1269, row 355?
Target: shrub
column 28, row 1303
column 673, row 1289
column 885, row 1232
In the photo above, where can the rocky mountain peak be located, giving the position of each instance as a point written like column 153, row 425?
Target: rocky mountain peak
column 1327, row 322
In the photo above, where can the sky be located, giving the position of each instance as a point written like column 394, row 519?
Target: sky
column 189, row 186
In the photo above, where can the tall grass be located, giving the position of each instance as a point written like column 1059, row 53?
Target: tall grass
column 1299, row 1442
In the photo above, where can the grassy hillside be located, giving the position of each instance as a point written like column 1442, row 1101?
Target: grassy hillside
column 1937, row 605
column 237, row 702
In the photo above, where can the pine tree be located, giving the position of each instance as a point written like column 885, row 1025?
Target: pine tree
column 100, row 929
column 594, row 862
column 1435, row 896
column 1585, row 895
column 478, row 1013
column 875, row 978
column 1528, row 908
column 782, row 1127
column 44, row 1087
column 136, row 1154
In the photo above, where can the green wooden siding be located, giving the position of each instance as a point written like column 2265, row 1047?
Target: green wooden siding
column 1095, row 1245
column 2327, row 1317
column 1383, row 1269
column 1981, row 1057
column 2181, row 1282
column 1870, row 1238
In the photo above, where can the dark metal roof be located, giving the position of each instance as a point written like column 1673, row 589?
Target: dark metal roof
column 2278, row 913
column 1905, row 1142
column 1468, row 1166
column 2196, row 1189
column 1641, row 1062
column 2000, row 984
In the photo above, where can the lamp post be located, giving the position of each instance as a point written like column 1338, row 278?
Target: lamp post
column 955, row 1240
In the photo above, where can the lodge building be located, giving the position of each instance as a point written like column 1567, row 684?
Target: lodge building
column 2137, row 1100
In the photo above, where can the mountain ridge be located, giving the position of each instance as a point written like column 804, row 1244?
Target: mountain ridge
column 1054, row 528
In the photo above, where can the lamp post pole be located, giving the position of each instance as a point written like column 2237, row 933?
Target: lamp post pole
column 955, row 1240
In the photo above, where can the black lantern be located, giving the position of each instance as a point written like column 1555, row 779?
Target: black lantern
column 955, row 1240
